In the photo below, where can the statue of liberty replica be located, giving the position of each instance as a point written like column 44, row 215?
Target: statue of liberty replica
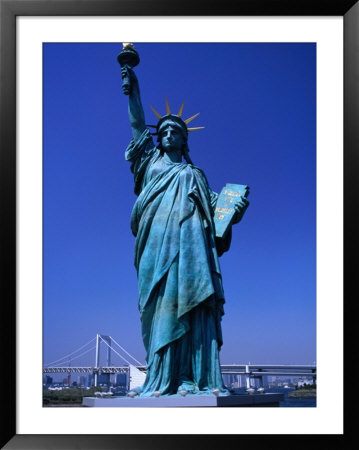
column 176, row 220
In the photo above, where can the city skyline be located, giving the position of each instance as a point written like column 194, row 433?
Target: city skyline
column 259, row 114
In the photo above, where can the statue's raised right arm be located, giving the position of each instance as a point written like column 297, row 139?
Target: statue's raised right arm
column 135, row 109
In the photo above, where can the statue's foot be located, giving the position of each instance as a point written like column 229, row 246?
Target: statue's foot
column 221, row 392
column 135, row 391
column 217, row 391
column 132, row 394
column 187, row 388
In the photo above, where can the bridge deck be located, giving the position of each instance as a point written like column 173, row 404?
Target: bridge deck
column 253, row 370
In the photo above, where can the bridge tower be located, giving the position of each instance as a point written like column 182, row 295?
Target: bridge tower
column 247, row 376
column 69, row 374
column 102, row 337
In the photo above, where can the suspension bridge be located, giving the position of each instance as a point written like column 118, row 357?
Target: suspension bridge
column 136, row 371
column 133, row 368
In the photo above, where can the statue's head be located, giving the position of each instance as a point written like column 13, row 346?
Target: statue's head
column 177, row 124
column 171, row 128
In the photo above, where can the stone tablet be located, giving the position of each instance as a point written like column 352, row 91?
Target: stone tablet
column 224, row 211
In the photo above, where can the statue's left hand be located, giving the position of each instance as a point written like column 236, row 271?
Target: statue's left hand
column 240, row 208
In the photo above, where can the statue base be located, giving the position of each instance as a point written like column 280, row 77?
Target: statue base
column 245, row 400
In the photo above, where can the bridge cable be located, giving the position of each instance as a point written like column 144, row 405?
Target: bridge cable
column 127, row 352
column 84, row 353
column 65, row 357
column 108, row 345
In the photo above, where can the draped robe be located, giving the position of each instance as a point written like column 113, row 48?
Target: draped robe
column 180, row 285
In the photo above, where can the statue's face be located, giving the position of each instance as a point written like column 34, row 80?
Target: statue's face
column 171, row 139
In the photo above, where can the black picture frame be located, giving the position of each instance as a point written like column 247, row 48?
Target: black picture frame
column 9, row 10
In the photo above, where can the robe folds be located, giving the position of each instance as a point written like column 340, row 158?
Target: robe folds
column 179, row 279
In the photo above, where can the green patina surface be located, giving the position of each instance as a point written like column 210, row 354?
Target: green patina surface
column 176, row 256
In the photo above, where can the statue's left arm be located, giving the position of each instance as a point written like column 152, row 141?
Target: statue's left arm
column 241, row 205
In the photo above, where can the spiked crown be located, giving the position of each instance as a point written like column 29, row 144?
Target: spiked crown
column 174, row 119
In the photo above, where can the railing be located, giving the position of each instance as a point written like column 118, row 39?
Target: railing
column 255, row 370
column 249, row 371
column 269, row 370
column 93, row 370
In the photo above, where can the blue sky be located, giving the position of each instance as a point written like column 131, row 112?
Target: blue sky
column 257, row 103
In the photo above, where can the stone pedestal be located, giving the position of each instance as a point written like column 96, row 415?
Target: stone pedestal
column 246, row 400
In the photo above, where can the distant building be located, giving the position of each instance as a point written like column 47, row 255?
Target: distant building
column 121, row 380
column 48, row 380
column 81, row 381
column 272, row 381
column 90, row 380
column 233, row 381
column 304, row 381
column 255, row 382
column 103, row 379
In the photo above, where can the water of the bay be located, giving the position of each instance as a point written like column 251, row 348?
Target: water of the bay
column 289, row 402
